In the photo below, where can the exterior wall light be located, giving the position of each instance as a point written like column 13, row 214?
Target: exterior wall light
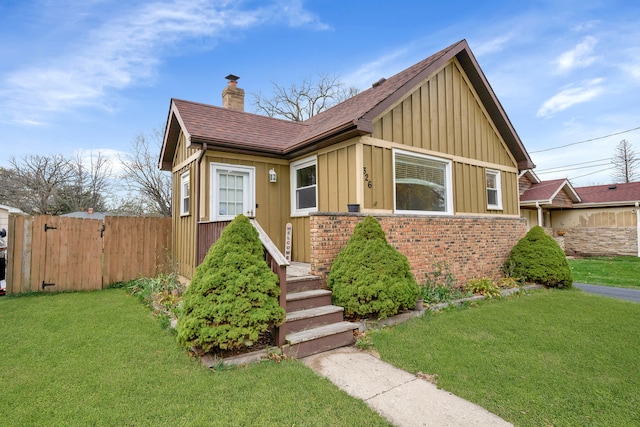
column 273, row 177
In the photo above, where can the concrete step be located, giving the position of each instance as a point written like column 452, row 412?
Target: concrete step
column 313, row 317
column 304, row 284
column 323, row 338
column 308, row 299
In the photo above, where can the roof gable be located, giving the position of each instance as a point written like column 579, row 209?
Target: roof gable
column 545, row 191
column 245, row 132
column 529, row 175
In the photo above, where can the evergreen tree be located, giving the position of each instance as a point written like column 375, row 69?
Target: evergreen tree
column 233, row 296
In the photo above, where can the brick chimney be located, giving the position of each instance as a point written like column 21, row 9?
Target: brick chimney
column 232, row 95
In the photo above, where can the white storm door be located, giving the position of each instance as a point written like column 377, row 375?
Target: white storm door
column 232, row 191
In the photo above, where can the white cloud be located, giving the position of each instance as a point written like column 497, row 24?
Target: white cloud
column 89, row 158
column 299, row 17
column 570, row 96
column 372, row 71
column 494, row 45
column 630, row 65
column 126, row 50
column 585, row 26
column 578, row 57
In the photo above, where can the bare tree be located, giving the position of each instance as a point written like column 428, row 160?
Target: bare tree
column 130, row 204
column 625, row 163
column 299, row 102
column 9, row 192
column 142, row 176
column 89, row 184
column 38, row 181
column 55, row 185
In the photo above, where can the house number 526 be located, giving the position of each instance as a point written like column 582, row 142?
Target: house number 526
column 366, row 178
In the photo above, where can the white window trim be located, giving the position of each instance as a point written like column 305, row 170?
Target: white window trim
column 251, row 195
column 185, row 178
column 498, row 188
column 293, row 167
column 448, row 179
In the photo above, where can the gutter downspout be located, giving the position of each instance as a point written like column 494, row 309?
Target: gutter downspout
column 638, row 225
column 539, row 213
column 198, row 161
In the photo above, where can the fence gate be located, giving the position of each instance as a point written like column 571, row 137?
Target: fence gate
column 66, row 254
column 55, row 253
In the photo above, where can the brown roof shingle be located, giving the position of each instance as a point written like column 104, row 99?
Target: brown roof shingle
column 240, row 131
column 217, row 125
column 542, row 191
column 628, row 192
column 545, row 191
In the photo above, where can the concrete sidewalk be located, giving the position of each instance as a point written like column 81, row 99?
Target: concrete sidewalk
column 404, row 399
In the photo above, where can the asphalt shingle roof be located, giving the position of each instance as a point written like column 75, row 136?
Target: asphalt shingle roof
column 235, row 130
column 544, row 190
column 610, row 193
column 629, row 192
column 216, row 124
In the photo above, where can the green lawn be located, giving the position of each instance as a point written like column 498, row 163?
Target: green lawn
column 101, row 359
column 623, row 271
column 561, row 358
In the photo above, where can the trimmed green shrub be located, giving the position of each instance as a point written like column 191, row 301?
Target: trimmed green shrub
column 233, row 296
column 369, row 277
column 538, row 258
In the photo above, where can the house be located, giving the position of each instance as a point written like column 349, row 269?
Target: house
column 429, row 151
column 5, row 211
column 539, row 198
column 88, row 214
column 599, row 220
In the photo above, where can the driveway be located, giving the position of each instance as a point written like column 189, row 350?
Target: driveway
column 608, row 291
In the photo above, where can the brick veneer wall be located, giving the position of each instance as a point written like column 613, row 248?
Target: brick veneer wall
column 601, row 241
column 473, row 246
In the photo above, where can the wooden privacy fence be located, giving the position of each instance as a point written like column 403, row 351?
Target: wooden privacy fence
column 54, row 253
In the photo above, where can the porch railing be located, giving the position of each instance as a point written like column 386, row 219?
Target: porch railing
column 209, row 233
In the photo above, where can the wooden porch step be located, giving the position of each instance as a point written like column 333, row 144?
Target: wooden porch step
column 313, row 317
column 322, row 338
column 301, row 284
column 308, row 299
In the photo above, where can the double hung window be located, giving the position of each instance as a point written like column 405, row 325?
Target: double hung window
column 185, row 193
column 494, row 193
column 304, row 187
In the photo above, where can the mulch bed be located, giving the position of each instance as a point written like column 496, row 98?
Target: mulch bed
column 265, row 340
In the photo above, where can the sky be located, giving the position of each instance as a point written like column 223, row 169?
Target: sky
column 81, row 77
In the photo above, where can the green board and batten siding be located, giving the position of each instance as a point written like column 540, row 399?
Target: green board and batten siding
column 444, row 116
column 272, row 200
column 184, row 226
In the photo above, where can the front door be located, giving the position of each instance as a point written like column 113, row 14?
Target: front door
column 232, row 191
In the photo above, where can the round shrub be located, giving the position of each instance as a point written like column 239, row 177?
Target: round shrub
column 369, row 277
column 538, row 258
column 233, row 296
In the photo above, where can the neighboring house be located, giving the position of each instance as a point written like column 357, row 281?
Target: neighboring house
column 595, row 220
column 89, row 214
column 4, row 215
column 539, row 198
column 429, row 152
